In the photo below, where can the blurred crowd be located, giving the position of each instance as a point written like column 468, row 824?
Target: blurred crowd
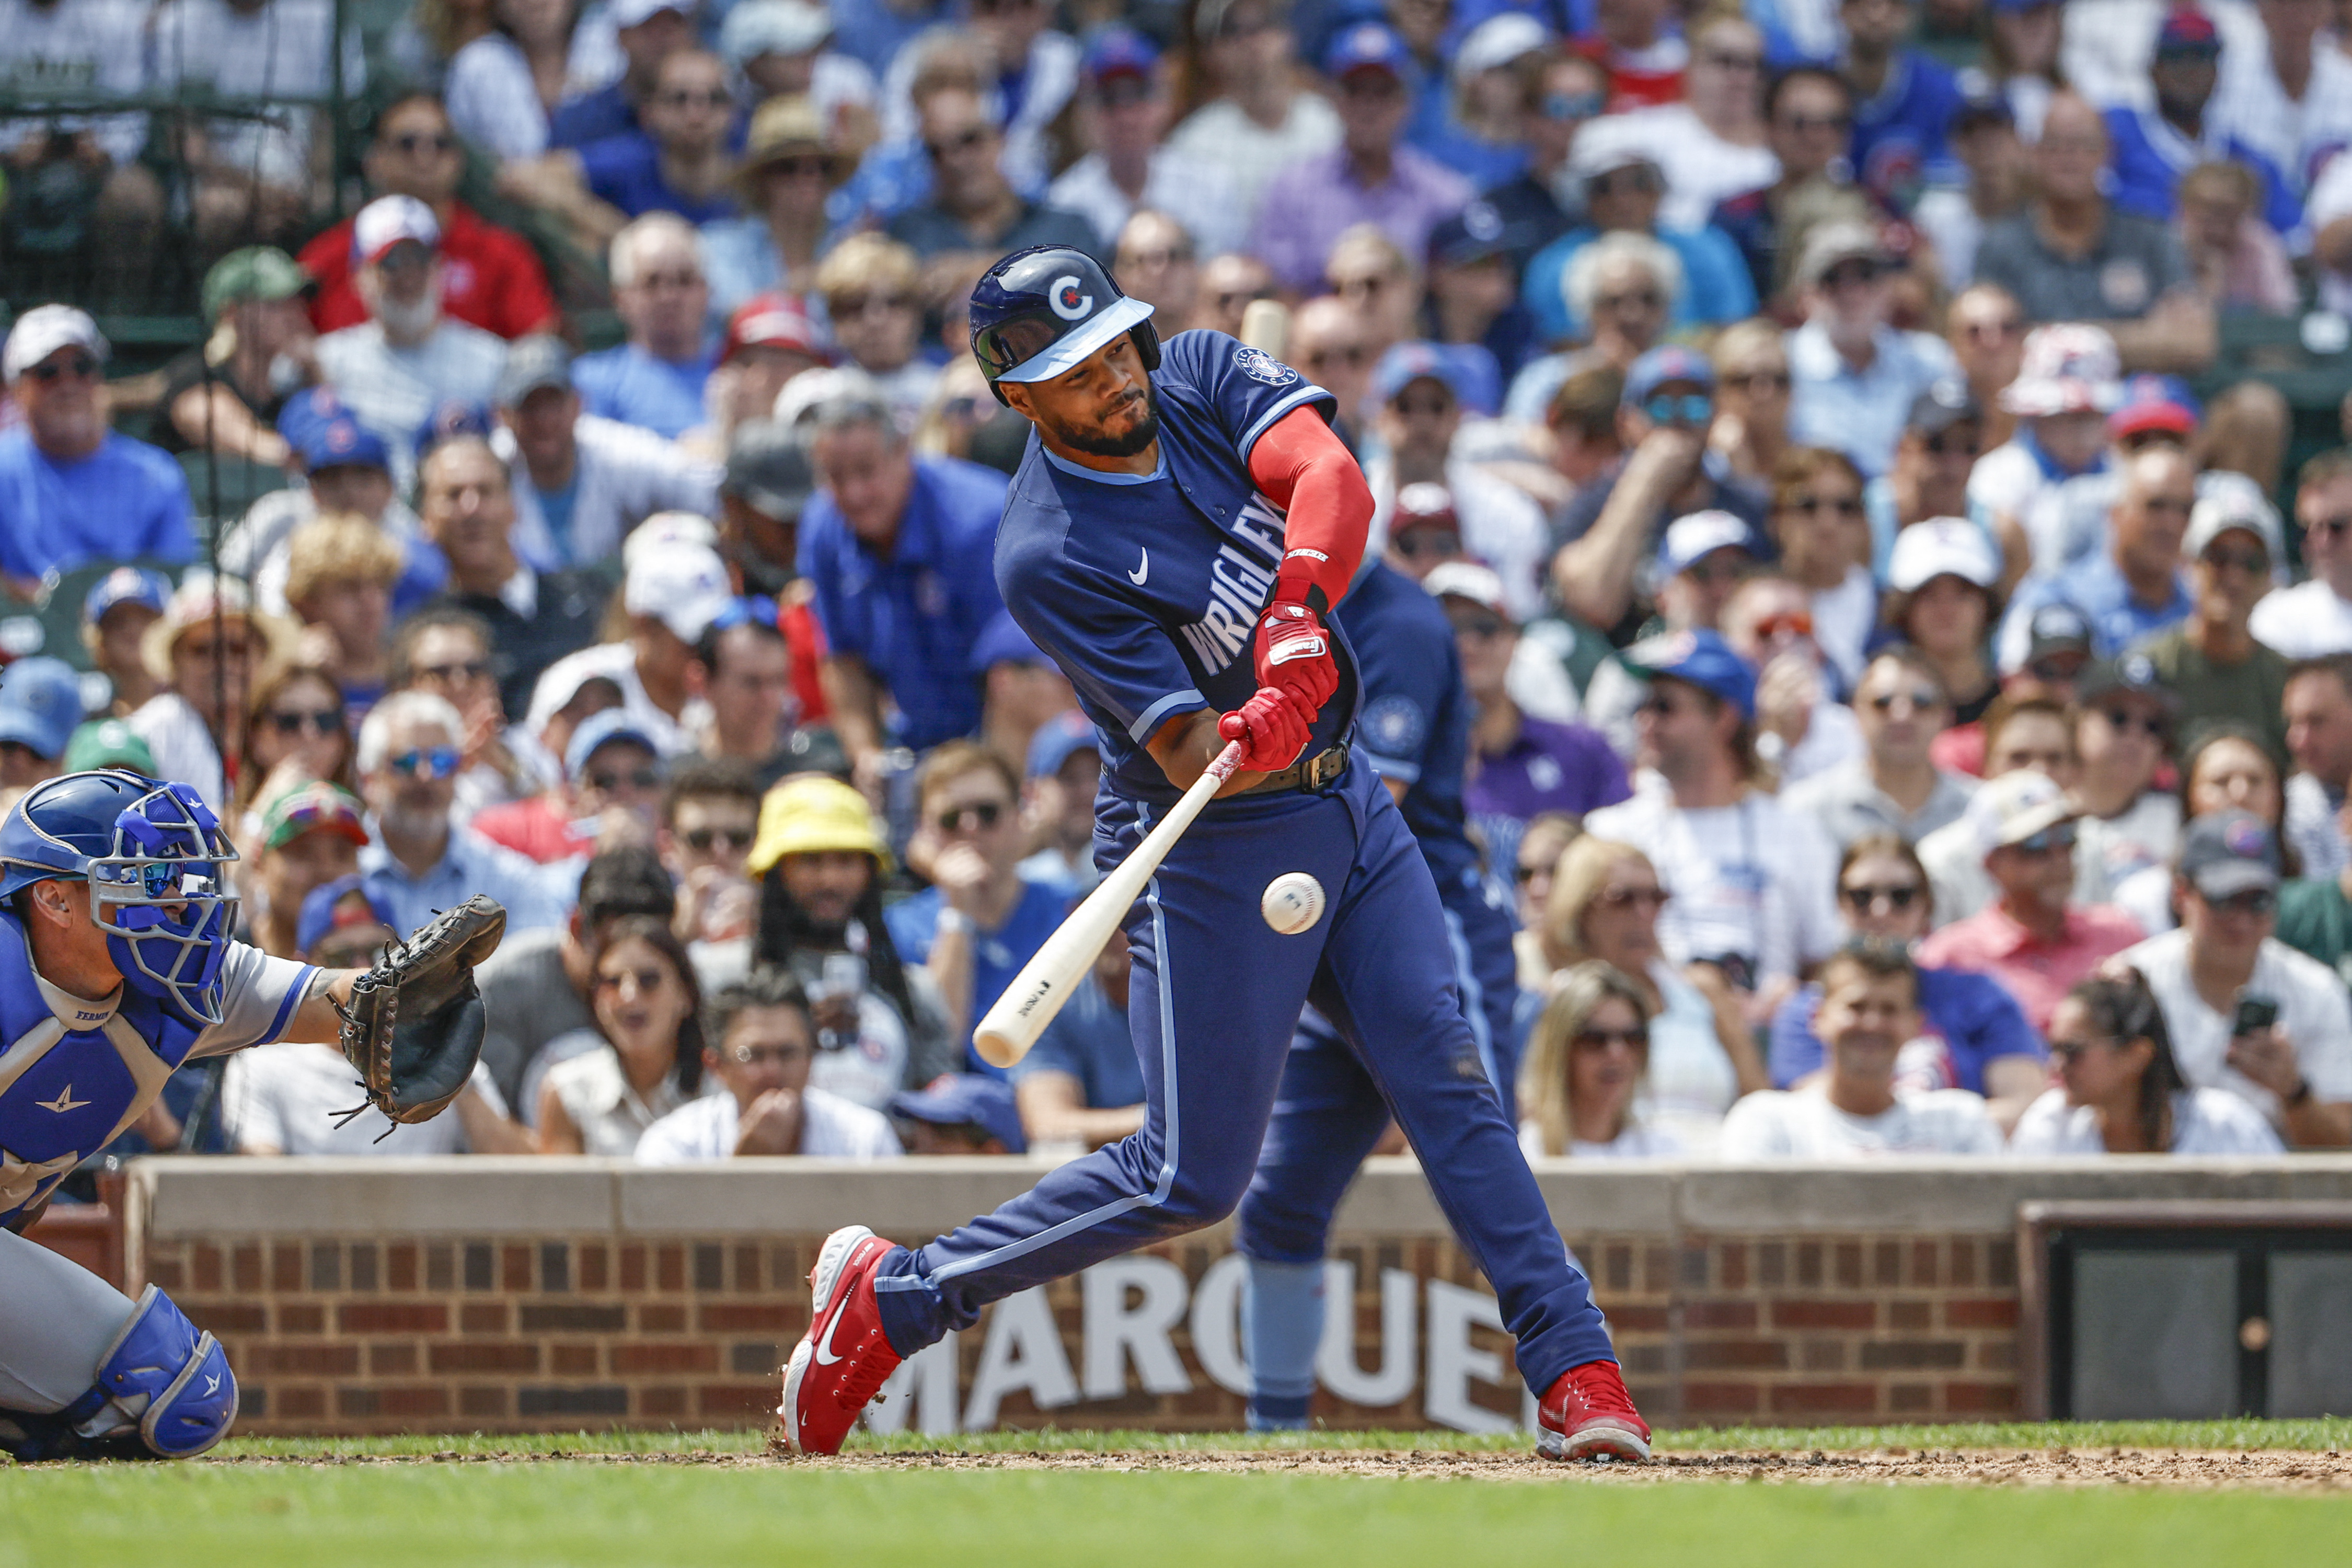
column 1909, row 671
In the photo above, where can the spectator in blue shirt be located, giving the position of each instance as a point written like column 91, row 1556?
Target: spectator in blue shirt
column 655, row 379
column 1081, row 1083
column 900, row 551
column 649, row 31
column 1854, row 376
column 1903, row 103
column 421, row 861
column 676, row 160
column 2134, row 588
column 1623, row 188
column 2154, row 144
column 71, row 491
column 981, row 919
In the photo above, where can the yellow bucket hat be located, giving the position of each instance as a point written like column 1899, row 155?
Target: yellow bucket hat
column 811, row 816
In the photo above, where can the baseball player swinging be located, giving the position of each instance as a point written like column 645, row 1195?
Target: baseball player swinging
column 1177, row 536
column 116, row 966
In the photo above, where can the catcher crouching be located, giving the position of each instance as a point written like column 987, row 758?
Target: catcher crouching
column 116, row 966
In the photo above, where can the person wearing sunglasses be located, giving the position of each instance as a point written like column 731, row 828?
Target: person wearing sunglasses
column 973, row 205
column 2158, row 139
column 1472, row 295
column 603, row 1088
column 1893, row 787
column 1701, row 562
column 1802, row 729
column 2028, row 729
column 1423, row 391
column 209, row 652
column 655, row 379
column 1752, row 386
column 677, row 158
column 1808, row 116
column 982, row 918
column 1159, row 263
column 793, row 159
column 614, row 781
column 495, row 280
column 297, row 729
column 1858, row 1107
column 1986, row 142
column 2246, row 1013
column 1973, row 1035
column 2120, row 1089
column 1821, row 531
column 1124, row 110
column 1709, row 141
column 72, row 491
column 1624, row 190
column 1588, row 1056
column 1855, row 375
column 2318, row 711
column 421, row 861
column 2210, row 661
column 2314, row 618
column 1258, row 118
column 2136, row 587
column 2034, row 938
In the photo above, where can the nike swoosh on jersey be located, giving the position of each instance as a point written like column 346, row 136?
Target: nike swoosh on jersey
column 1142, row 571
column 64, row 1102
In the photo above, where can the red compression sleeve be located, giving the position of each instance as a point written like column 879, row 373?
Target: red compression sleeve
column 1305, row 470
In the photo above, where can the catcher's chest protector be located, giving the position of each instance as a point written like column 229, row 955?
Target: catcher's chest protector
column 71, row 1077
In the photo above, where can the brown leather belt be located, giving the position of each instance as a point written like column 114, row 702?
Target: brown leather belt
column 1308, row 773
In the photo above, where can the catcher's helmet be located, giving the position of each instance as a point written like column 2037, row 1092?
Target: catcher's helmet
column 157, row 860
column 1040, row 312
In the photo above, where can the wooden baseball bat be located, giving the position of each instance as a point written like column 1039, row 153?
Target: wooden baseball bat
column 1046, row 981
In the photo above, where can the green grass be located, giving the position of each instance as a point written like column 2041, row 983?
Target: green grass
column 578, row 1516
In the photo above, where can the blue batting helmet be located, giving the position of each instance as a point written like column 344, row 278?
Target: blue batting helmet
column 1041, row 312
column 157, row 860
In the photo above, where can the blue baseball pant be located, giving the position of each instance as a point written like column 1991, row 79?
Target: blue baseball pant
column 1213, row 1004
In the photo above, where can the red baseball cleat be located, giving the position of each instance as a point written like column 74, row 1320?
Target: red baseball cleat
column 840, row 1362
column 1588, row 1415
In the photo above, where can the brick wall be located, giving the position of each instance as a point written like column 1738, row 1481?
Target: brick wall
column 534, row 1296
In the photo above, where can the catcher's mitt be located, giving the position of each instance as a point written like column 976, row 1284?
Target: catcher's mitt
column 415, row 1026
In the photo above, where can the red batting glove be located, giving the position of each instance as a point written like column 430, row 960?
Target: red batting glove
column 1294, row 655
column 1271, row 728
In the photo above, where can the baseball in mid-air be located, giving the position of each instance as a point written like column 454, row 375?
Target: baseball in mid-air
column 1292, row 902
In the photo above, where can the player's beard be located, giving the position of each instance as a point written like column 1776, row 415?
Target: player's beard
column 1147, row 430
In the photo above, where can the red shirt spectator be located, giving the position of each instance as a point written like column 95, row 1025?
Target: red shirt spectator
column 490, row 278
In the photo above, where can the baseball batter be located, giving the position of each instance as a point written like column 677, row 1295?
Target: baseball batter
column 116, row 966
column 1177, row 536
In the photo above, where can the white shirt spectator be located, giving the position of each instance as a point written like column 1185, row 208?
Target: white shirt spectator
column 2306, row 621
column 1952, row 225
column 623, row 475
column 2252, row 105
column 1640, row 1141
column 616, row 662
column 1843, row 618
column 1751, row 879
column 2109, row 44
column 1614, row 695
column 604, row 1107
column 493, row 99
column 831, row 1129
column 1501, row 526
column 1801, row 1124
column 2312, row 1012
column 1196, row 195
column 283, row 50
column 2006, row 480
column 291, row 1097
column 393, row 391
column 79, row 49
column 182, row 747
column 1860, row 412
column 1700, row 167
column 1220, row 135
column 2310, row 826
column 2205, row 1121
column 1689, row 1083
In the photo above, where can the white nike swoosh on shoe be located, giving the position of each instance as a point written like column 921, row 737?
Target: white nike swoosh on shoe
column 825, row 1356
column 1141, row 572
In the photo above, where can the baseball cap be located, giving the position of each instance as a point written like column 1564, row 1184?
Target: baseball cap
column 1001, row 641
column 2227, row 509
column 1982, row 103
column 1691, row 538
column 109, row 743
column 782, row 127
column 1116, row 51
column 2069, row 368
column 201, row 598
column 2154, row 402
column 1369, row 46
column 291, row 813
column 603, row 729
column 1941, row 547
column 665, row 529
column 326, row 435
column 42, row 331
column 2127, row 675
column 1666, row 363
column 1947, row 401
column 1424, row 504
column 1059, row 738
column 637, row 12
column 767, row 471
column 810, row 815
column 1497, row 41
column 322, row 911
column 1474, row 234
column 2224, row 853
column 966, row 1099
column 1466, row 580
column 1597, row 155
column 1835, row 242
column 541, row 360
column 771, row 319
column 2188, row 30
column 2015, row 806
column 1700, row 659
column 759, row 27
column 40, row 705
column 2056, row 629
column 125, row 585
column 256, row 272
column 1467, row 371
column 388, row 221
column 685, row 586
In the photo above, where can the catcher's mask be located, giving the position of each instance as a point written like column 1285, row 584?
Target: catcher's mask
column 155, row 856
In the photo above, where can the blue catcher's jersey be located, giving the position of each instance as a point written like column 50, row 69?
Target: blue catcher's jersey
column 1416, row 719
column 74, row 1073
column 1146, row 588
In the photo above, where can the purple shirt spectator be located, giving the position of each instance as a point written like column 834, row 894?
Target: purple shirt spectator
column 1550, row 767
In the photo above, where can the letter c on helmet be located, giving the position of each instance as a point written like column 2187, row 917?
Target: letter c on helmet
column 1067, row 302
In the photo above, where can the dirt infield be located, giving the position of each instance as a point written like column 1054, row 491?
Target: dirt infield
column 2274, row 1470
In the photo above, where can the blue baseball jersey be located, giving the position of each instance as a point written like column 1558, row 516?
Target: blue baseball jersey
column 1146, row 588
column 1416, row 719
column 75, row 1073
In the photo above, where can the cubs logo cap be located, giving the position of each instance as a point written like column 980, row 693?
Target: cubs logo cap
column 2225, row 853
column 1700, row 659
column 392, row 220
